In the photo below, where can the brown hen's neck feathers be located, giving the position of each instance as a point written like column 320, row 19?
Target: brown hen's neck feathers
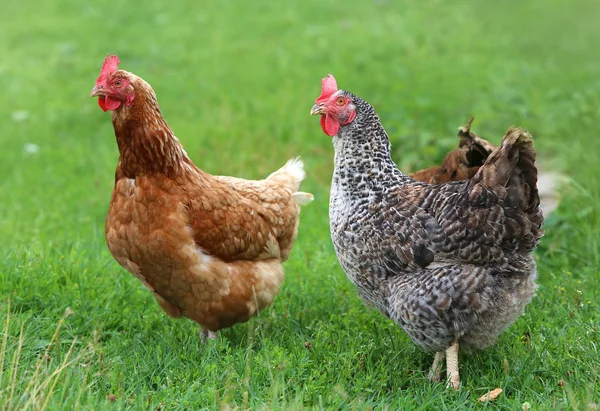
column 146, row 143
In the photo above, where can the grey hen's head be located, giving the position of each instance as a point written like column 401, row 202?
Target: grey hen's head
column 341, row 111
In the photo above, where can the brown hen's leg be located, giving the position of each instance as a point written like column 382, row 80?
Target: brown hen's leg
column 435, row 373
column 452, row 366
column 204, row 334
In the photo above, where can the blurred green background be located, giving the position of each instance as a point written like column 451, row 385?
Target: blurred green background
column 235, row 81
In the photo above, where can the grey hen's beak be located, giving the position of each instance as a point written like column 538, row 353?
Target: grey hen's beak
column 317, row 109
column 97, row 91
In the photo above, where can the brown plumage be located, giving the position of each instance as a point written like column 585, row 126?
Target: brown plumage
column 209, row 247
column 461, row 163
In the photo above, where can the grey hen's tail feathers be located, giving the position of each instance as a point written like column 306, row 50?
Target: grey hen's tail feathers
column 511, row 175
column 511, row 170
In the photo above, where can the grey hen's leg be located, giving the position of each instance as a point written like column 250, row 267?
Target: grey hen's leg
column 435, row 373
column 452, row 366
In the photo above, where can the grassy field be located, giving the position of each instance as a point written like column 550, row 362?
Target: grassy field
column 236, row 81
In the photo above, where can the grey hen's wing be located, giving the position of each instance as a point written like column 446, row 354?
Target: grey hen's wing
column 489, row 219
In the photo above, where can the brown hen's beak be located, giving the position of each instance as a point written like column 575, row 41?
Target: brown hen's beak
column 317, row 109
column 97, row 91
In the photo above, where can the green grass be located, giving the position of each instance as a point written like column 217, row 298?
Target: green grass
column 236, row 81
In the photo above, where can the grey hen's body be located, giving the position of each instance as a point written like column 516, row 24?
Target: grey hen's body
column 449, row 263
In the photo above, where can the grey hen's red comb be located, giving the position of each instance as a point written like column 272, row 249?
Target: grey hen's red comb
column 328, row 87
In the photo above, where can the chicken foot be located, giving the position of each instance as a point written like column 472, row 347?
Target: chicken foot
column 452, row 366
column 206, row 334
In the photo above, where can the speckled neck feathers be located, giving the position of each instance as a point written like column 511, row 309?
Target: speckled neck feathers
column 363, row 153
column 146, row 143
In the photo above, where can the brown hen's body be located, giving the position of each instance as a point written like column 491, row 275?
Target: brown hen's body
column 209, row 247
column 461, row 163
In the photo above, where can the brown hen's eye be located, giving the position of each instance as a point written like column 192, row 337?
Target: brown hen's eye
column 118, row 83
column 340, row 101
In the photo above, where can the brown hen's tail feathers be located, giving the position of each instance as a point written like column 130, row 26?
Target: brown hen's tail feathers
column 293, row 173
column 294, row 168
column 302, row 198
column 474, row 143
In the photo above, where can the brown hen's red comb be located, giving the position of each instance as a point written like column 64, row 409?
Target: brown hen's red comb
column 110, row 65
column 328, row 87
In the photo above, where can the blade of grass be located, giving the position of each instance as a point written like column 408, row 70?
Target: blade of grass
column 4, row 342
column 15, row 367
column 58, row 372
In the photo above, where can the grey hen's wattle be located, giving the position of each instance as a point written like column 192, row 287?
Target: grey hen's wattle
column 450, row 262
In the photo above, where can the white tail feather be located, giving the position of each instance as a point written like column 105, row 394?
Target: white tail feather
column 294, row 167
column 302, row 198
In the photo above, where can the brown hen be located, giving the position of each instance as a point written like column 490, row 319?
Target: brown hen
column 210, row 248
column 461, row 163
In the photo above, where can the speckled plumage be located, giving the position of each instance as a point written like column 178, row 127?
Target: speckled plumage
column 449, row 263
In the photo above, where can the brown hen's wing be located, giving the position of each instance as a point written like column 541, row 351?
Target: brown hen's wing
column 237, row 219
column 231, row 227
column 461, row 163
column 279, row 200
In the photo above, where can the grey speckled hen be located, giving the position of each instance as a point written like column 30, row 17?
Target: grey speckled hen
column 451, row 264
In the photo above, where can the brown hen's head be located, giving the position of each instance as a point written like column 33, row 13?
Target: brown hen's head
column 113, row 86
column 335, row 107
